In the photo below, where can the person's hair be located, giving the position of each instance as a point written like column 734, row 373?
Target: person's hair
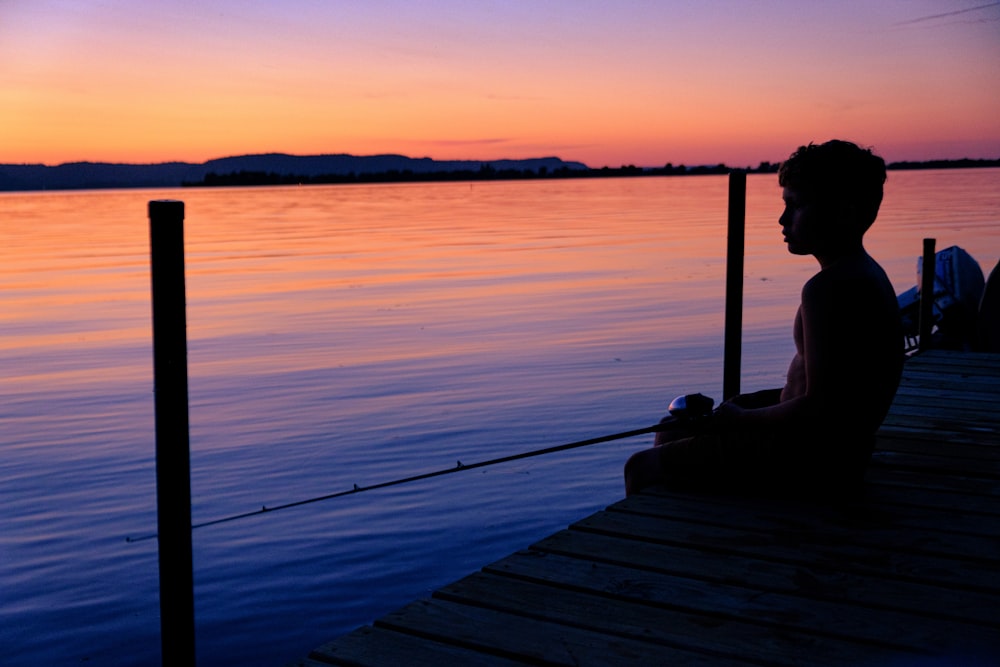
column 840, row 175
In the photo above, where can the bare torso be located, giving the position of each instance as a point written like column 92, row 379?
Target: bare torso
column 848, row 346
column 795, row 379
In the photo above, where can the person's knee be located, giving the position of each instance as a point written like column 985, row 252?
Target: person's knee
column 641, row 470
column 631, row 464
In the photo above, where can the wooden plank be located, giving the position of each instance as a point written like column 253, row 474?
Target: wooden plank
column 608, row 614
column 375, row 647
column 972, row 418
column 948, row 501
column 892, row 630
column 901, row 443
column 882, row 529
column 984, row 366
column 534, row 640
column 935, row 463
column 869, row 588
column 308, row 662
column 972, row 421
column 909, row 395
column 981, row 414
column 950, row 364
column 977, row 393
column 943, row 436
column 931, row 480
column 945, row 359
column 909, row 561
column 958, row 383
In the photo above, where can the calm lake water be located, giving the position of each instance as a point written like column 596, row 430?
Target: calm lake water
column 356, row 334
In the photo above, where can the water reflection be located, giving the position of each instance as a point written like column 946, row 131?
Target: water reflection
column 352, row 334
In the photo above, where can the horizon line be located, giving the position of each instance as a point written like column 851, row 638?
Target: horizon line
column 434, row 159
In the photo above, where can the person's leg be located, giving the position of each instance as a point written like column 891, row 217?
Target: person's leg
column 713, row 460
column 759, row 399
column 686, row 462
column 643, row 469
column 671, row 429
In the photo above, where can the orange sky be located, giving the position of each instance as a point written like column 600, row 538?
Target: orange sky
column 600, row 81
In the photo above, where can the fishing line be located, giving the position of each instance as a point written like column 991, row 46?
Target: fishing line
column 414, row 478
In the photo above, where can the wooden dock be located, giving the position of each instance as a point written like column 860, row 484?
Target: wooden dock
column 909, row 576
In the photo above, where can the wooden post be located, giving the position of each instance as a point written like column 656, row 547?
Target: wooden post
column 734, row 284
column 927, row 270
column 173, row 474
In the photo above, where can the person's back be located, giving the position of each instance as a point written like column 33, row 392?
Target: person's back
column 857, row 346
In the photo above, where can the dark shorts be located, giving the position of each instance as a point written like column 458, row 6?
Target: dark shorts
column 762, row 461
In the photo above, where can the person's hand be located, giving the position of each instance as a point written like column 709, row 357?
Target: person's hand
column 728, row 413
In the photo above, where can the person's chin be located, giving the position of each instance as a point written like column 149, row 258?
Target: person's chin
column 795, row 250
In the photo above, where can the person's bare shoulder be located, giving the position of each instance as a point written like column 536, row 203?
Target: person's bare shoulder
column 859, row 274
column 853, row 298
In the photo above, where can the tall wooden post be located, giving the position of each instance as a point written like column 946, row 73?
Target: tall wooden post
column 173, row 474
column 928, row 268
column 734, row 284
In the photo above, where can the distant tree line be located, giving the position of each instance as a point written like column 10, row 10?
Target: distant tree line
column 964, row 163
column 487, row 172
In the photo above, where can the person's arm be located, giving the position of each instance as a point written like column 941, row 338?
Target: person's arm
column 821, row 360
column 758, row 399
column 788, row 412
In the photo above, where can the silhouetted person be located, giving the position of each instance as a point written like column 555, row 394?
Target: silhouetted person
column 816, row 434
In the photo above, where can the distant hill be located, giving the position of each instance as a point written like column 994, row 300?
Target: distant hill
column 279, row 168
column 94, row 175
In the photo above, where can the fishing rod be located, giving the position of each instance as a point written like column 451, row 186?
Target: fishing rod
column 460, row 467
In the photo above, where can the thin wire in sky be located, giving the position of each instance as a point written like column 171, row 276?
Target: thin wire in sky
column 945, row 15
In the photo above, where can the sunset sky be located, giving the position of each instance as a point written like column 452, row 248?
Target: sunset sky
column 605, row 82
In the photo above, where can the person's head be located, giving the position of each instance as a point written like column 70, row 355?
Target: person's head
column 839, row 178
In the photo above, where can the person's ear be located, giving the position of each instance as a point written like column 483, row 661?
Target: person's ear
column 848, row 211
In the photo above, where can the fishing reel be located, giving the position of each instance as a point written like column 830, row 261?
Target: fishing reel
column 691, row 407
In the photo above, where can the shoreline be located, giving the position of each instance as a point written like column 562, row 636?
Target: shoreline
column 105, row 176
